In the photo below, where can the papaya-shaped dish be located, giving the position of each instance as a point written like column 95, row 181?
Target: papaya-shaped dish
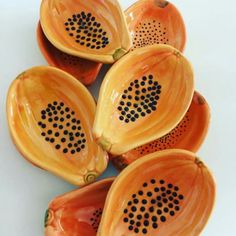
column 189, row 134
column 95, row 30
column 84, row 70
column 156, row 22
column 79, row 212
column 165, row 193
column 143, row 97
column 50, row 117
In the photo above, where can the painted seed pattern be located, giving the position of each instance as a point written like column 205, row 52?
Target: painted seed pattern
column 69, row 59
column 167, row 141
column 152, row 205
column 86, row 31
column 61, row 128
column 139, row 99
column 95, row 220
column 149, row 33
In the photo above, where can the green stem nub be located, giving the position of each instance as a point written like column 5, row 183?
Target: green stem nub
column 199, row 162
column 162, row 3
column 48, row 217
column 119, row 53
column 90, row 177
column 104, row 143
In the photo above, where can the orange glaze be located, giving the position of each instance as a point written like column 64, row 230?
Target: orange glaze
column 50, row 116
column 189, row 134
column 95, row 30
column 165, row 193
column 143, row 97
column 156, row 22
column 77, row 213
column 84, row 70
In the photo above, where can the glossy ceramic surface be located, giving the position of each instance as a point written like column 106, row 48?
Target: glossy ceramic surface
column 189, row 134
column 165, row 193
column 156, row 22
column 50, row 116
column 77, row 213
column 84, row 70
column 142, row 98
column 95, row 29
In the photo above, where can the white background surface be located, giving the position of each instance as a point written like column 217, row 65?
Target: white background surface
column 211, row 25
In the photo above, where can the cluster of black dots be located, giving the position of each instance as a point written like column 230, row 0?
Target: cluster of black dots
column 151, row 206
column 149, row 33
column 61, row 128
column 167, row 141
column 96, row 218
column 139, row 99
column 69, row 59
column 87, row 31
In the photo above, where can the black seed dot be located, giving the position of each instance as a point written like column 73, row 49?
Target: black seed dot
column 131, row 215
column 176, row 202
column 145, row 185
column 156, row 189
column 177, row 208
column 131, row 227
column 134, row 209
column 144, row 201
column 126, row 211
column 136, row 201
column 165, row 200
column 49, row 132
column 155, row 225
column 181, row 197
column 163, row 218
column 139, row 217
column 171, row 198
column 142, row 209
column 146, row 223
column 43, row 134
column 43, row 126
column 65, row 150
column 151, row 209
column 172, row 213
column 166, row 210
column 63, row 140
column 153, row 181
column 140, row 193
column 176, row 188
column 159, row 212
column 153, row 201
column 144, row 231
column 170, row 186
column 58, row 146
